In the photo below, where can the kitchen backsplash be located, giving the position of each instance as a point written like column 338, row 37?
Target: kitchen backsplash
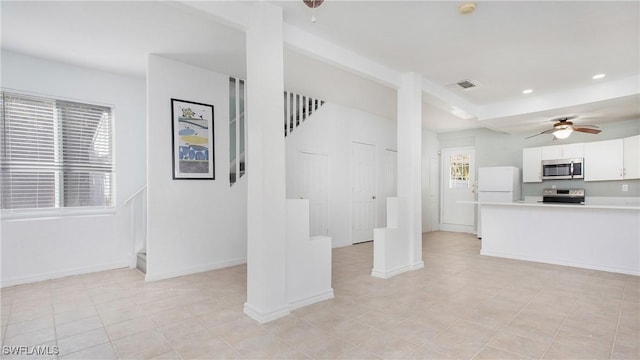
column 592, row 188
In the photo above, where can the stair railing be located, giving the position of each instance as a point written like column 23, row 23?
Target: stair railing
column 297, row 108
column 137, row 225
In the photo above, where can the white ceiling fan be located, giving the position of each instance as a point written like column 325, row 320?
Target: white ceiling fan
column 563, row 127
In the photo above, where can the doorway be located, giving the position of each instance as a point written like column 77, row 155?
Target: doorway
column 458, row 184
column 363, row 192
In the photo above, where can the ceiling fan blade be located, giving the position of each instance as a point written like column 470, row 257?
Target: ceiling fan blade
column 590, row 126
column 542, row 133
column 587, row 130
column 529, row 137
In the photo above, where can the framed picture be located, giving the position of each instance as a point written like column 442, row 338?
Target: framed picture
column 192, row 141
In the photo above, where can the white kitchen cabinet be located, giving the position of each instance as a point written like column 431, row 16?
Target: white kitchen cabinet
column 631, row 160
column 603, row 160
column 552, row 152
column 572, row 151
column 532, row 164
column 565, row 151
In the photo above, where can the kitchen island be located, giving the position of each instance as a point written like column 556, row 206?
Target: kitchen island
column 593, row 236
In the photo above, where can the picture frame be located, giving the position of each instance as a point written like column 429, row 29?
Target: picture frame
column 192, row 140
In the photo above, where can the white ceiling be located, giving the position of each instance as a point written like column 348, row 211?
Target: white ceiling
column 505, row 47
column 117, row 35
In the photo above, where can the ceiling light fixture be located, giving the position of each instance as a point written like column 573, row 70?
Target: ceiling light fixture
column 527, row 91
column 313, row 4
column 598, row 76
column 563, row 133
column 467, row 8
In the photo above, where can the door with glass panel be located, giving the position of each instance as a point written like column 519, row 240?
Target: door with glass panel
column 458, row 184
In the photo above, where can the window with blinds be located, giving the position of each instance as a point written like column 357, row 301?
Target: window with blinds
column 55, row 154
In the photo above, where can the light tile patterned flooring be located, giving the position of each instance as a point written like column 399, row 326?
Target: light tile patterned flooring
column 462, row 305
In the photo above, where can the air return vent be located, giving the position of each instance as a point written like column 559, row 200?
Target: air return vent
column 466, row 84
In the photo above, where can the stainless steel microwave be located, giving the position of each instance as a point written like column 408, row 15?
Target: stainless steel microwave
column 563, row 169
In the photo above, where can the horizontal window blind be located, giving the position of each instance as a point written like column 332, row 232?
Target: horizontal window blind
column 55, row 153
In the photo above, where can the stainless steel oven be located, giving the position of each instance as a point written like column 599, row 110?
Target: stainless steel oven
column 566, row 196
column 562, row 169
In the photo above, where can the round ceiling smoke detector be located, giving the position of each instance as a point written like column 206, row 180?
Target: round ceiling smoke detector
column 467, row 8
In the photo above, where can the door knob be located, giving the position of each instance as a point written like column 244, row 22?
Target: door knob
column 373, row 197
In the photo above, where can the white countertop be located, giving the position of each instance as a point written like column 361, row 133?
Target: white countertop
column 536, row 203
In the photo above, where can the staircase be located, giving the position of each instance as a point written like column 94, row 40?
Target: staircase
column 298, row 108
column 141, row 262
column 138, row 232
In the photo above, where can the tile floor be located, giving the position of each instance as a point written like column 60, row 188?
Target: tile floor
column 461, row 305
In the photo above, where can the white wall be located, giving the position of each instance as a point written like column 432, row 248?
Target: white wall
column 430, row 181
column 331, row 131
column 44, row 248
column 193, row 225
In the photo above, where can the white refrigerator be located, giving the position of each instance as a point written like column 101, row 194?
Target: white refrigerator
column 497, row 184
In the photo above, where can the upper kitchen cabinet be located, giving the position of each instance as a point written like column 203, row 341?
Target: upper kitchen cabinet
column 572, row 151
column 631, row 153
column 566, row 151
column 603, row 160
column 551, row 152
column 532, row 165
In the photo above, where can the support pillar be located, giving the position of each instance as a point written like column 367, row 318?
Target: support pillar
column 398, row 247
column 266, row 211
column 410, row 161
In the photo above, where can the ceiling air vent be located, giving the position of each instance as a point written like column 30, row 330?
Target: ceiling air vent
column 466, row 84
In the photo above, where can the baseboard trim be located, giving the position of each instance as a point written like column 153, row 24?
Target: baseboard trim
column 325, row 295
column 562, row 263
column 417, row 266
column 194, row 269
column 65, row 273
column 261, row 317
column 470, row 229
column 391, row 273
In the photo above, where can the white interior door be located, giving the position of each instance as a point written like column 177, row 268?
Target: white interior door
column 363, row 192
column 458, row 184
column 314, row 186
column 390, row 178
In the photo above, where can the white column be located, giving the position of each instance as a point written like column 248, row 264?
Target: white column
column 266, row 247
column 410, row 161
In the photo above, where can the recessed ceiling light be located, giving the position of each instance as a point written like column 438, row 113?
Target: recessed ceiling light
column 527, row 91
column 598, row 76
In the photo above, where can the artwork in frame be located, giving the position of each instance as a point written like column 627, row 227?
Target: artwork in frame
column 192, row 140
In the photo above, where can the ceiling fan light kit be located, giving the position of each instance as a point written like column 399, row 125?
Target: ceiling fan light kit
column 562, row 133
column 563, row 128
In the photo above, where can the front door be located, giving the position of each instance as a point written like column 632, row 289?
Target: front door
column 363, row 192
column 458, row 184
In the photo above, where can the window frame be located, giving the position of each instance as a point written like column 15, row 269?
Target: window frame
column 62, row 212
